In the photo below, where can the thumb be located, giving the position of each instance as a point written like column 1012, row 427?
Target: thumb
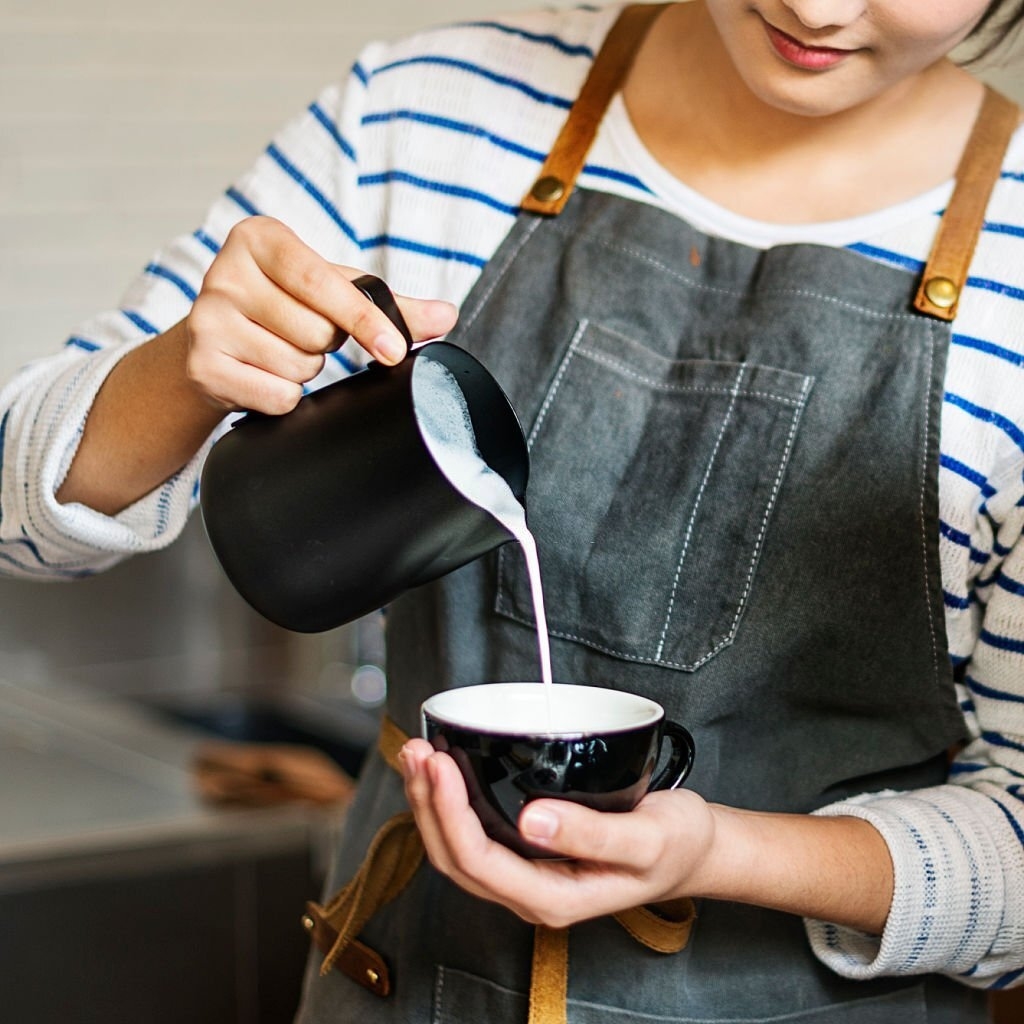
column 573, row 830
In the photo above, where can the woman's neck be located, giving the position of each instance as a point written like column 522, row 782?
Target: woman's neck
column 698, row 118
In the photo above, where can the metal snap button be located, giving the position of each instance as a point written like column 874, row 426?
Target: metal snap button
column 941, row 292
column 548, row 189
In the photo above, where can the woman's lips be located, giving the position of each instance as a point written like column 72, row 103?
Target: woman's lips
column 812, row 58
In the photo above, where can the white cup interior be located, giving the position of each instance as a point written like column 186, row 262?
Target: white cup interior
column 535, row 709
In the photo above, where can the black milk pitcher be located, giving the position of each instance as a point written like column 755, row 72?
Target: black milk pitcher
column 332, row 510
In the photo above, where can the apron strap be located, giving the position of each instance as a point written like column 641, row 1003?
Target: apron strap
column 394, row 855
column 553, row 186
column 390, row 741
column 393, row 858
column 946, row 270
column 549, row 976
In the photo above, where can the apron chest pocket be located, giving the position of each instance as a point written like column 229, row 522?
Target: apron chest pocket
column 651, row 486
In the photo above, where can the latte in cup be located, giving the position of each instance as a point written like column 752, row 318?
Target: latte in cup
column 516, row 742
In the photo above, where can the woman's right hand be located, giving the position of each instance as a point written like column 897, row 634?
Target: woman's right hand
column 271, row 308
column 268, row 312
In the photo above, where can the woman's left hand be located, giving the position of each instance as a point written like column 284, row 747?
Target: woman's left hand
column 651, row 854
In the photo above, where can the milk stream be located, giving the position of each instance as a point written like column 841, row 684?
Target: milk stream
column 448, row 432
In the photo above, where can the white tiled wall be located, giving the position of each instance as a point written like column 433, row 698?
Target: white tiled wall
column 121, row 120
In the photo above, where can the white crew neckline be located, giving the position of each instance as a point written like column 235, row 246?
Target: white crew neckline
column 713, row 219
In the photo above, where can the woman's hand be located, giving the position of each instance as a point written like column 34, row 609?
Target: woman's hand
column 673, row 844
column 648, row 855
column 269, row 310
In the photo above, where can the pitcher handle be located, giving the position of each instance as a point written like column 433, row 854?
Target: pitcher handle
column 380, row 295
column 680, row 760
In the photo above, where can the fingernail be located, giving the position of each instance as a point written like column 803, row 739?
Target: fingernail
column 433, row 771
column 538, row 823
column 390, row 348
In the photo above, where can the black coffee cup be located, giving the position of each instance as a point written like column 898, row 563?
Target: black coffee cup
column 595, row 746
column 332, row 510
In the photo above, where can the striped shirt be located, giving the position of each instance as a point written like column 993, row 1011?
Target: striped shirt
column 412, row 168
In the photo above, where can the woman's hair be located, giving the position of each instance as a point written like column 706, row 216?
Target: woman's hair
column 999, row 22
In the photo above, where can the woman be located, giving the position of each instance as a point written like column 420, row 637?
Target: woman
column 737, row 486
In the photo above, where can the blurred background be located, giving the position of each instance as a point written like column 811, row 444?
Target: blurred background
column 123, row 895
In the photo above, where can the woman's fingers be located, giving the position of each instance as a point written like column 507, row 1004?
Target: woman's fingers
column 351, row 313
column 327, row 290
column 236, row 385
column 271, row 308
column 218, row 328
column 318, row 285
column 629, row 841
column 664, row 837
column 612, row 861
column 452, row 833
column 555, row 893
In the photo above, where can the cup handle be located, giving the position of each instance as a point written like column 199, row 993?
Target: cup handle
column 680, row 760
column 380, row 295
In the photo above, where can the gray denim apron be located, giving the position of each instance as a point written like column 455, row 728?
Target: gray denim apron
column 734, row 493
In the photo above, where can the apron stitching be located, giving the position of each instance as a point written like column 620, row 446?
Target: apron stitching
column 730, row 635
column 696, row 507
column 557, row 383
column 531, row 226
column 577, row 337
column 624, row 655
column 797, row 406
column 600, row 357
column 738, row 293
column 771, row 502
column 924, row 479
column 438, row 994
column 802, row 293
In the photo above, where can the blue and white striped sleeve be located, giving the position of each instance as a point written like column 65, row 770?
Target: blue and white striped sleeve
column 958, row 849
column 306, row 178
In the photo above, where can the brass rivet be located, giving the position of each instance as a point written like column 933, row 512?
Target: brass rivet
column 308, row 923
column 548, row 189
column 372, row 976
column 941, row 292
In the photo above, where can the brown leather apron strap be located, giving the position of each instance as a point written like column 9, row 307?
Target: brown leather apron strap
column 393, row 858
column 946, row 270
column 360, row 963
column 394, row 855
column 549, row 976
column 390, row 741
column 665, row 931
column 553, row 186
column 945, row 274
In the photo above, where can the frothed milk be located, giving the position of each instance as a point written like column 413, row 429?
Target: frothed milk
column 448, row 433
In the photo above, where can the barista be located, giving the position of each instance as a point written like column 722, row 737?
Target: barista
column 794, row 567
